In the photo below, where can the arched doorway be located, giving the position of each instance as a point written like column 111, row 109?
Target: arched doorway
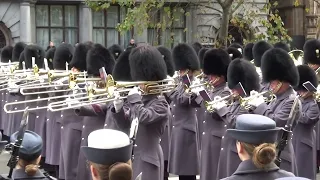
column 5, row 35
column 2, row 40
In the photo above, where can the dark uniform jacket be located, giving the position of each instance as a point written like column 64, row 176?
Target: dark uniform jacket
column 248, row 171
column 19, row 174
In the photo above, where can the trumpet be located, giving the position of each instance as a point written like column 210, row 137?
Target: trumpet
column 210, row 105
column 254, row 94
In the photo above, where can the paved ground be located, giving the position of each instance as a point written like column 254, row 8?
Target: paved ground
column 5, row 156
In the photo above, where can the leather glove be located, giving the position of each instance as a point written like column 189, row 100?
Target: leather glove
column 256, row 101
column 117, row 103
column 134, row 90
column 219, row 105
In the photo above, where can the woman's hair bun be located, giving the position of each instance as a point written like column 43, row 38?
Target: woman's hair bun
column 264, row 154
column 31, row 169
column 120, row 171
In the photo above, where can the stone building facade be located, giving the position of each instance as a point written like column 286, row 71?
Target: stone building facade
column 71, row 21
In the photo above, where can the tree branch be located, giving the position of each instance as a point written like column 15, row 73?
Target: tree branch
column 221, row 3
column 237, row 7
column 228, row 3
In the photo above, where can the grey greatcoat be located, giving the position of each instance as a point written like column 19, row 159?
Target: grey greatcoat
column 14, row 119
column 304, row 140
column 71, row 127
column 248, row 171
column 152, row 113
column 4, row 115
column 229, row 159
column 214, row 129
column 201, row 119
column 184, row 148
column 93, row 119
column 279, row 111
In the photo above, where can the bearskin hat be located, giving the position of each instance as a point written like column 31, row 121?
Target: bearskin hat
column 311, row 51
column 21, row 59
column 115, row 50
column 17, row 50
column 49, row 56
column 306, row 74
column 64, row 53
column 147, row 64
column 6, row 54
column 121, row 70
column 258, row 50
column 185, row 57
column 97, row 57
column 247, row 52
column 216, row 62
column 243, row 71
column 80, row 54
column 282, row 45
column 276, row 64
column 196, row 46
column 234, row 53
column 35, row 51
column 237, row 46
column 201, row 55
column 167, row 56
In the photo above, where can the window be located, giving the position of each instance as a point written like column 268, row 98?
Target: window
column 174, row 32
column 104, row 26
column 57, row 23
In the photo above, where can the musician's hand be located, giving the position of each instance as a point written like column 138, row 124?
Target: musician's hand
column 117, row 103
column 134, row 90
column 219, row 105
column 256, row 101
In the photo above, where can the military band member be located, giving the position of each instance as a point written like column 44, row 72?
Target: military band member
column 184, row 147
column 29, row 157
column 304, row 138
column 258, row 50
column 71, row 124
column 165, row 139
column 17, row 50
column 49, row 56
column 109, row 155
column 197, row 46
column 256, row 138
column 5, row 56
column 282, row 45
column 234, row 53
column 152, row 112
column 237, row 46
column 93, row 115
column 239, row 71
column 215, row 65
column 115, row 50
column 279, row 70
column 247, row 52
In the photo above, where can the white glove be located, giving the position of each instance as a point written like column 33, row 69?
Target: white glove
column 13, row 87
column 219, row 105
column 134, row 90
column 197, row 90
column 71, row 101
column 256, row 101
column 117, row 103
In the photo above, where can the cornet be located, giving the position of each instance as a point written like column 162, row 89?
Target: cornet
column 210, row 105
column 254, row 94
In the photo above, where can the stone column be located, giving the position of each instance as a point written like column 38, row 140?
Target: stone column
column 25, row 22
column 85, row 23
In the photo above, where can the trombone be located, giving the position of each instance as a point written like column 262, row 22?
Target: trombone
column 103, row 95
column 5, row 108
